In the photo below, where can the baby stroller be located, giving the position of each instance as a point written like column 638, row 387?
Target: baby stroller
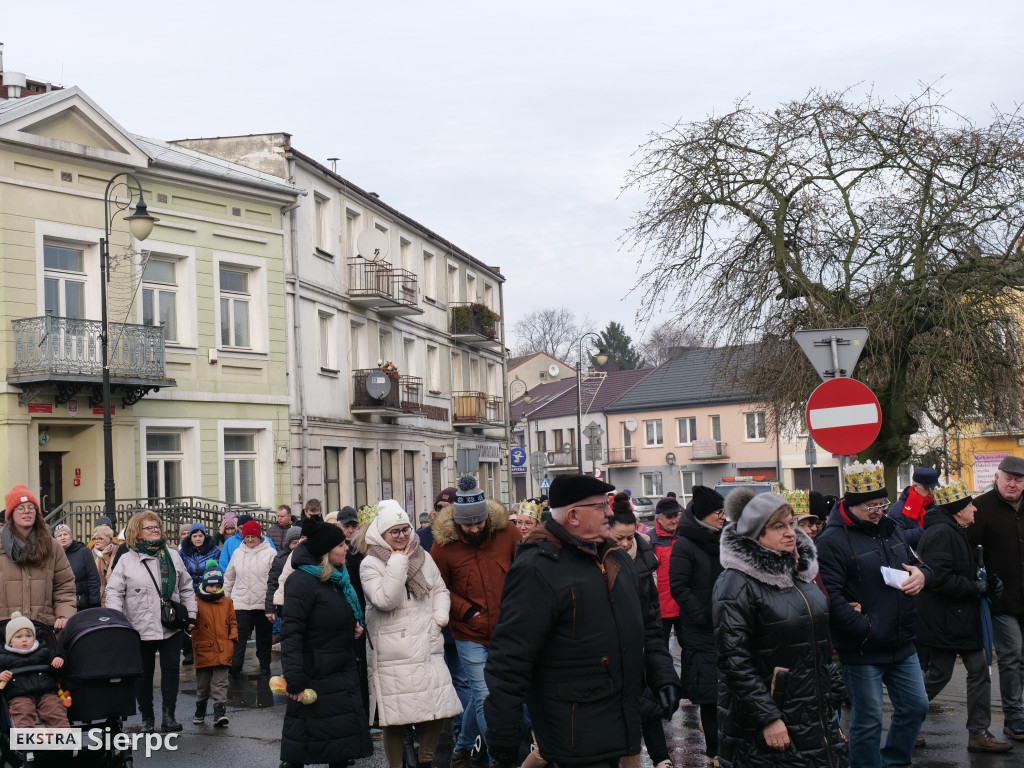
column 102, row 660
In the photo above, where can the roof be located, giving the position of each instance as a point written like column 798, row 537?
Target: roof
column 542, row 395
column 563, row 401
column 515, row 362
column 697, row 376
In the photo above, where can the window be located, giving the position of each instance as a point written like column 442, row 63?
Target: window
column 164, row 460
column 755, row 426
column 687, row 430
column 716, row 429
column 453, row 283
column 357, row 345
column 556, row 440
column 323, row 225
column 542, row 441
column 690, row 479
column 653, row 433
column 64, row 281
column 429, row 276
column 326, row 345
column 410, row 485
column 409, row 357
column 627, row 443
column 433, row 369
column 332, row 477
column 352, row 229
column 474, row 374
column 235, row 301
column 385, row 347
column 160, row 297
column 457, row 380
column 387, row 469
column 240, row 467
column 650, row 483
column 489, row 296
column 359, row 476
column 470, row 287
column 405, row 253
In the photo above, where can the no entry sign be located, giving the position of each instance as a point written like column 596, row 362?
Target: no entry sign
column 843, row 416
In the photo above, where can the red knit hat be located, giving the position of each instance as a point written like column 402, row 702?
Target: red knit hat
column 251, row 528
column 19, row 494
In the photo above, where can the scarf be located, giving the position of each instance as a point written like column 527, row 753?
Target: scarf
column 339, row 578
column 13, row 546
column 210, row 597
column 158, row 548
column 415, row 581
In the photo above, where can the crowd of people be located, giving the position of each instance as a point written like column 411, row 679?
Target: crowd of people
column 554, row 619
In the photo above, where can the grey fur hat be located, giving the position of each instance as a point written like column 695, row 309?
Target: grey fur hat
column 751, row 510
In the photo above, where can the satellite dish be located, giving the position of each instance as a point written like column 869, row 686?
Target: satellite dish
column 552, row 370
column 373, row 245
column 631, row 424
column 378, row 385
column 566, row 448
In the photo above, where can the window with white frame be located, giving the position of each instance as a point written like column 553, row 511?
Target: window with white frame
column 470, row 287
column 322, row 224
column 327, row 346
column 165, row 459
column 687, row 430
column 160, row 296
column 385, row 346
column 489, row 296
column 715, row 424
column 409, row 357
column 755, row 425
column 429, row 275
column 650, row 483
column 457, row 381
column 453, row 283
column 433, row 368
column 690, row 479
column 235, row 307
column 357, row 345
column 64, row 280
column 652, row 433
column 352, row 230
column 240, row 457
column 405, row 253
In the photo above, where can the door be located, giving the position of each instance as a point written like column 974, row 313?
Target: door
column 51, row 487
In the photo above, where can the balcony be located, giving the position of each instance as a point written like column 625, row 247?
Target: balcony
column 404, row 395
column 471, row 409
column 475, row 324
column 64, row 355
column 380, row 286
column 556, row 459
column 627, row 455
column 709, row 451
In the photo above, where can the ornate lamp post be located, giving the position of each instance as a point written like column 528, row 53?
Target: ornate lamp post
column 601, row 357
column 140, row 222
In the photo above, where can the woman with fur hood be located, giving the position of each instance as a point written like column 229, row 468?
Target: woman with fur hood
column 407, row 604
column 778, row 690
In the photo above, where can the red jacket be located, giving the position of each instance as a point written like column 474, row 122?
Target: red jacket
column 474, row 575
column 661, row 543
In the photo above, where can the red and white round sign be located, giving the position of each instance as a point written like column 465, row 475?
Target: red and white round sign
column 72, row 407
column 843, row 416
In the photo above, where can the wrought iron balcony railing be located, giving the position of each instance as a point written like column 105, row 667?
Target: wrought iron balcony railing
column 406, row 393
column 474, row 321
column 71, row 346
column 387, row 288
column 627, row 455
column 477, row 408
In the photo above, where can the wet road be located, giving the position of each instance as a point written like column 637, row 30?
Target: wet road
column 252, row 739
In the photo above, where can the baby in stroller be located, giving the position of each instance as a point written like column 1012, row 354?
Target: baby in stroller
column 34, row 693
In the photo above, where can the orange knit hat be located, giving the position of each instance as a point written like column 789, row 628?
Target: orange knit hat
column 19, row 494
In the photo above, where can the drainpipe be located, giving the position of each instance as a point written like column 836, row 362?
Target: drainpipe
column 300, row 379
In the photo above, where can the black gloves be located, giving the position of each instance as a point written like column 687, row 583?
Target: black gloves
column 668, row 697
column 503, row 755
column 993, row 587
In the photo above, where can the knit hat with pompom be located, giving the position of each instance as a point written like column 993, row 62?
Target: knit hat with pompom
column 470, row 506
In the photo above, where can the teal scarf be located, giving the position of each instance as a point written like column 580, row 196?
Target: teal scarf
column 340, row 579
column 168, row 576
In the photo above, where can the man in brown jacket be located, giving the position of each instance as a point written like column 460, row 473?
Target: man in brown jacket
column 999, row 529
column 473, row 549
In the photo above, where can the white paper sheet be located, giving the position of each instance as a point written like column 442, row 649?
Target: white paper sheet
column 893, row 577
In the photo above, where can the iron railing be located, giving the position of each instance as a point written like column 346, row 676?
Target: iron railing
column 378, row 279
column 702, row 450
column 472, row 318
column 361, row 398
column 477, row 408
column 625, row 455
column 174, row 511
column 411, row 393
column 68, row 345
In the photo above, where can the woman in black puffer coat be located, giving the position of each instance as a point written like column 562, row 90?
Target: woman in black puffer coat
column 83, row 565
column 778, row 690
column 318, row 631
column 693, row 568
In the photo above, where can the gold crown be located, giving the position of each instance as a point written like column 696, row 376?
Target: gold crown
column 530, row 508
column 366, row 515
column 800, row 501
column 865, row 477
column 951, row 493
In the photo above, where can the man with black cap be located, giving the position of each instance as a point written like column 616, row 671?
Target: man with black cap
column 473, row 549
column 999, row 529
column 909, row 510
column 666, row 522
column 871, row 576
column 576, row 639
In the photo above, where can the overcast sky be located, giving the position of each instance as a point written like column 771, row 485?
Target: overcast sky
column 507, row 130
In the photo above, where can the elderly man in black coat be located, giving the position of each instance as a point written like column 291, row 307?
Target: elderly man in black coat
column 949, row 612
column 574, row 640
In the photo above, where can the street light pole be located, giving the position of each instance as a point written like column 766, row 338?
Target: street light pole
column 602, row 358
column 141, row 225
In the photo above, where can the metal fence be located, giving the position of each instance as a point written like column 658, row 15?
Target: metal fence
column 72, row 345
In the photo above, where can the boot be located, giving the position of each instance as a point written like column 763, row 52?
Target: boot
column 169, row 724
column 200, row 716
column 220, row 715
column 461, row 758
column 983, row 741
column 148, row 721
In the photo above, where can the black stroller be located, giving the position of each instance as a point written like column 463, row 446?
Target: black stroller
column 102, row 660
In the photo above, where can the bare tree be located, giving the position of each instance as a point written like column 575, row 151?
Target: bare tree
column 555, row 331
column 661, row 341
column 838, row 210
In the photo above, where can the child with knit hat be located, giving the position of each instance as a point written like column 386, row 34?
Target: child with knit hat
column 213, row 643
column 34, row 693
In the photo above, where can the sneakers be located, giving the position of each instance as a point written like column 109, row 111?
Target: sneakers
column 200, row 716
column 461, row 758
column 220, row 715
column 983, row 741
column 1014, row 729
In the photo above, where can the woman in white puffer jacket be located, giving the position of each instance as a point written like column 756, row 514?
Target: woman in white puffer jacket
column 407, row 603
column 245, row 582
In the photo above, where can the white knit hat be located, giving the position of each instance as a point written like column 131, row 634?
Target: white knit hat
column 390, row 514
column 18, row 623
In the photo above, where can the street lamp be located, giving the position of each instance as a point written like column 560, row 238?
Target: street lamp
column 140, row 222
column 601, row 357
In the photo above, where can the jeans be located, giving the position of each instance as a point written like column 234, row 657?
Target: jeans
column 459, row 680
column 979, row 683
column 170, row 665
column 905, row 684
column 473, row 657
column 1008, row 636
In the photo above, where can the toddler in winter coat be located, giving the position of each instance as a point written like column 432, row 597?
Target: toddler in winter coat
column 213, row 642
column 35, row 692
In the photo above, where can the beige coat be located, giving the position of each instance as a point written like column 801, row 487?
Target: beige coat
column 409, row 681
column 41, row 592
column 131, row 591
column 103, row 567
column 287, row 571
column 245, row 580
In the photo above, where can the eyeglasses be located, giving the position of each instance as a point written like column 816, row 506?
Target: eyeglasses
column 780, row 527
column 719, row 512
column 605, row 505
column 24, row 508
column 877, row 507
column 399, row 532
column 151, row 527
